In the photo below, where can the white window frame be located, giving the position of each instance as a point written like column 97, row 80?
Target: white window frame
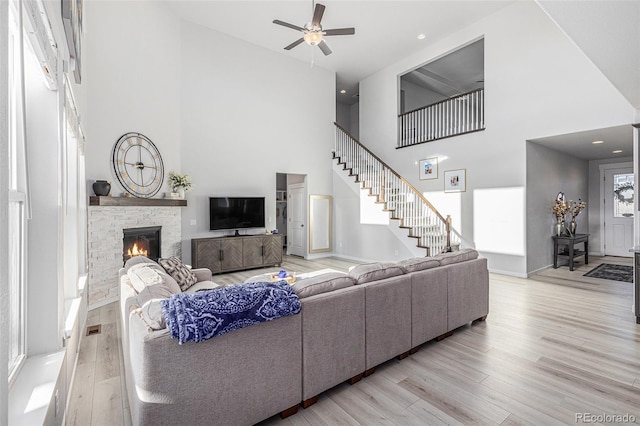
column 17, row 194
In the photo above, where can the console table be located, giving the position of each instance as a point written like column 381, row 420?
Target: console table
column 224, row 254
column 570, row 241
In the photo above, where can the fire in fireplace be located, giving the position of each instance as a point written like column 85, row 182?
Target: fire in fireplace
column 141, row 242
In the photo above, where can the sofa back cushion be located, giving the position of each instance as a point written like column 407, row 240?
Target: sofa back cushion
column 456, row 256
column 375, row 271
column 418, row 264
column 322, row 283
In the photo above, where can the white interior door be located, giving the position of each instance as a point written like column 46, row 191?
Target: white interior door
column 296, row 221
column 618, row 211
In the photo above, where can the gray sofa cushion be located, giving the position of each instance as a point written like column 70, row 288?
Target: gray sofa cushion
column 456, row 256
column 418, row 264
column 322, row 283
column 375, row 271
column 180, row 272
column 145, row 274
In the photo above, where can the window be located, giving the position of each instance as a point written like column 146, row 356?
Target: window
column 17, row 200
column 623, row 193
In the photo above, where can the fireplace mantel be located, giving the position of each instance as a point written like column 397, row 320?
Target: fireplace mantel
column 134, row 201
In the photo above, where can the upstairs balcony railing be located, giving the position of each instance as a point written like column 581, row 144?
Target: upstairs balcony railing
column 454, row 116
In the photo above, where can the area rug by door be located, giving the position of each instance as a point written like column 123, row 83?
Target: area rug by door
column 609, row 271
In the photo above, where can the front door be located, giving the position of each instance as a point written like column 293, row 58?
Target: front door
column 618, row 211
column 297, row 217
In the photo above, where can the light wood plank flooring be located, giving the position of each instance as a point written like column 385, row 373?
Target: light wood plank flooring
column 553, row 346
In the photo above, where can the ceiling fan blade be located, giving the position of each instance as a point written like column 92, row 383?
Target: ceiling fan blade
column 317, row 15
column 294, row 44
column 288, row 25
column 325, row 49
column 340, row 31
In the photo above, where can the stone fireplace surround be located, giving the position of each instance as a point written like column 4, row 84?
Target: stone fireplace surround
column 105, row 224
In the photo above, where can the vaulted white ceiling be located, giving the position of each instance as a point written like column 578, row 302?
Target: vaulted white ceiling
column 607, row 31
column 386, row 31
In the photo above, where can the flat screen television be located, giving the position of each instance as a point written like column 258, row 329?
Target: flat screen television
column 236, row 212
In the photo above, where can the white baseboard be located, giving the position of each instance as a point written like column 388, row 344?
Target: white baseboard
column 530, row 273
column 319, row 255
column 508, row 273
column 355, row 259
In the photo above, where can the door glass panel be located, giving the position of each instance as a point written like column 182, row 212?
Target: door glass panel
column 623, row 193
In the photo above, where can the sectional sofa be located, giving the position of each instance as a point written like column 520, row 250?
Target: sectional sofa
column 348, row 325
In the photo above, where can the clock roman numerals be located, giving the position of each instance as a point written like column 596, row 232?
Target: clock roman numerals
column 138, row 165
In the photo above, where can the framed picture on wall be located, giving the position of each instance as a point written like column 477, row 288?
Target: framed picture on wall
column 455, row 180
column 428, row 168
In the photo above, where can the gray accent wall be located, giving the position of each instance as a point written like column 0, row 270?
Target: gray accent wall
column 550, row 172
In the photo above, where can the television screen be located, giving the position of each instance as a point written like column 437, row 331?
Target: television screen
column 236, row 212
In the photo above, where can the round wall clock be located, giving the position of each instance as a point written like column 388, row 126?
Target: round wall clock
column 138, row 165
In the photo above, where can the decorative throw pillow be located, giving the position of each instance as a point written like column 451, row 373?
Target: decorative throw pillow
column 180, row 272
column 151, row 314
column 136, row 260
column 141, row 275
column 322, row 283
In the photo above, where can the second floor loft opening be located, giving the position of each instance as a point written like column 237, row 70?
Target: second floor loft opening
column 443, row 98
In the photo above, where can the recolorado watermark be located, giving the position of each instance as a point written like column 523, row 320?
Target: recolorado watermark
column 604, row 418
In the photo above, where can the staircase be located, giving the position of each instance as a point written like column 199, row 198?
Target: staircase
column 396, row 195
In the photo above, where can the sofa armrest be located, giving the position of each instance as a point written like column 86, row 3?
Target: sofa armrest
column 202, row 274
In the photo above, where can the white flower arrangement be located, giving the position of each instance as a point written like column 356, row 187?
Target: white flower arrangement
column 177, row 181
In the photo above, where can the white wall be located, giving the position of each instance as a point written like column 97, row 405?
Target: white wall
column 353, row 240
column 131, row 82
column 550, row 172
column 537, row 84
column 242, row 122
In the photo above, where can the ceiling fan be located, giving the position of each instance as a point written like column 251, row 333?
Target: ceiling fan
column 313, row 32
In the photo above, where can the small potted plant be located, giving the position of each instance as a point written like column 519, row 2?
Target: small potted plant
column 179, row 183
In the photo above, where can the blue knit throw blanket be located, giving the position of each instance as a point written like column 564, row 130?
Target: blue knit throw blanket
column 206, row 314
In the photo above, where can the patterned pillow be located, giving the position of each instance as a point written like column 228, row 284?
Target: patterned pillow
column 180, row 272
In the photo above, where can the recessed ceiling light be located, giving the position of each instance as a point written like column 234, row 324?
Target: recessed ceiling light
column 597, row 142
column 421, row 36
column 617, row 151
column 343, row 91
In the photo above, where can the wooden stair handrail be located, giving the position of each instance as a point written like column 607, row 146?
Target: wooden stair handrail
column 413, row 188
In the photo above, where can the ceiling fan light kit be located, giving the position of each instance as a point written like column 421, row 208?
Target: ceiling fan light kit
column 313, row 32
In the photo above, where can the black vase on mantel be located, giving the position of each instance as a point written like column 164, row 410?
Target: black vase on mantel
column 101, row 187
